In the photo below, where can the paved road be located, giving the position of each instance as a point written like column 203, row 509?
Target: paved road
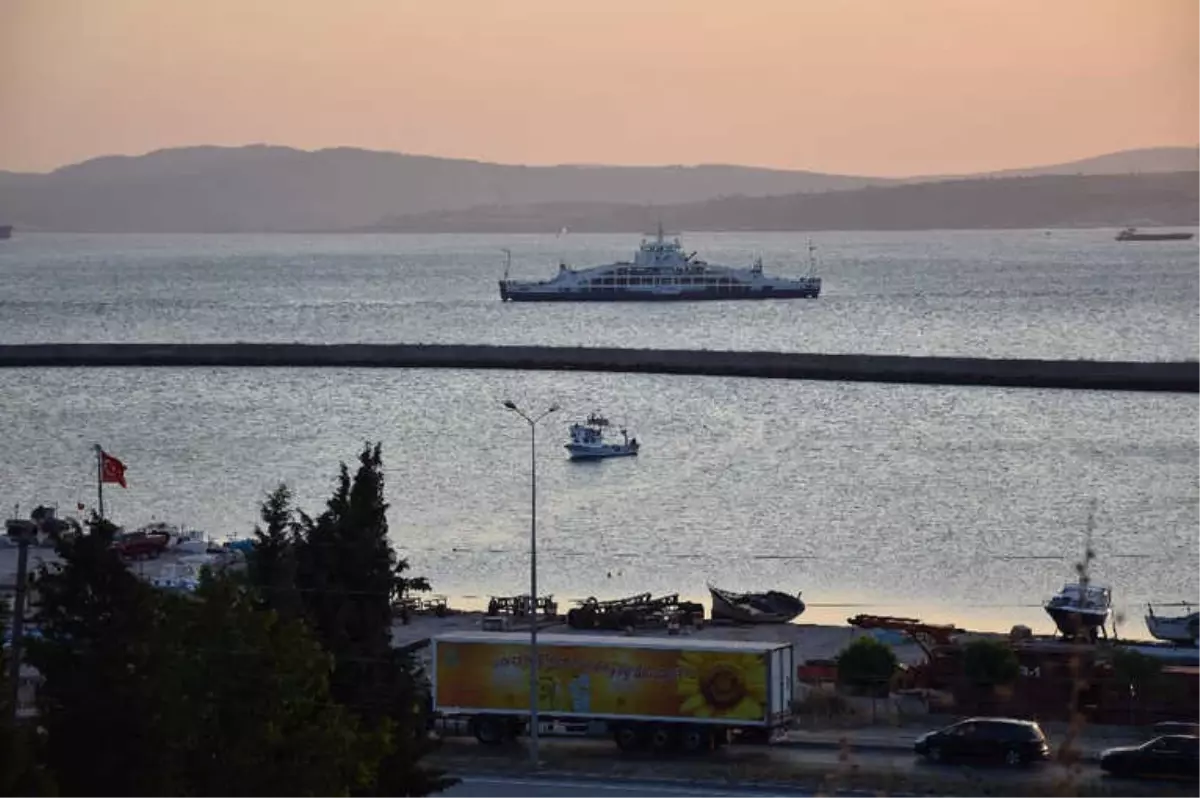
column 496, row 786
column 594, row 767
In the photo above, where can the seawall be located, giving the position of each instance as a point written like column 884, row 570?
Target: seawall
column 1176, row 376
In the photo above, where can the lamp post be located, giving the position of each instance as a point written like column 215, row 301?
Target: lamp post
column 533, row 627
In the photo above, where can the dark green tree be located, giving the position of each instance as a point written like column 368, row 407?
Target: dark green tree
column 272, row 563
column 990, row 663
column 150, row 693
column 867, row 665
column 21, row 769
column 348, row 575
column 255, row 715
column 96, row 656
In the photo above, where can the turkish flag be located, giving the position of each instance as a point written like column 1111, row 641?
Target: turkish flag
column 112, row 469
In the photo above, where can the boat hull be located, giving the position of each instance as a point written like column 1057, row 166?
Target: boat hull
column 593, row 453
column 784, row 608
column 1072, row 622
column 1183, row 630
column 1156, row 237
column 510, row 295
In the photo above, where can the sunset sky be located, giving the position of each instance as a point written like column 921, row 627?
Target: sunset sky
column 880, row 87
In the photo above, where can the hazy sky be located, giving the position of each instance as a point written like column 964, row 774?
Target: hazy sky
column 884, row 87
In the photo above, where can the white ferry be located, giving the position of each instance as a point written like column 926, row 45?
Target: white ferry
column 660, row 271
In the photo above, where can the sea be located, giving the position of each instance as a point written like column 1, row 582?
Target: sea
column 965, row 505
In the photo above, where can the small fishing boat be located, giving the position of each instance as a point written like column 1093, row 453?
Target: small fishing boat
column 1180, row 629
column 588, row 441
column 771, row 606
column 1081, row 611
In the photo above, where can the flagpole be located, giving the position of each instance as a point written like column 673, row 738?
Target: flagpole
column 100, row 479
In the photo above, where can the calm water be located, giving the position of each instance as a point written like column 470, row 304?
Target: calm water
column 1070, row 294
column 954, row 504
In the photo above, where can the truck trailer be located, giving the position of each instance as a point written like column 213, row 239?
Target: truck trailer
column 659, row 693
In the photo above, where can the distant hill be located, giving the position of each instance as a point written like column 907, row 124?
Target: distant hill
column 1170, row 199
column 264, row 188
column 261, row 188
column 1127, row 162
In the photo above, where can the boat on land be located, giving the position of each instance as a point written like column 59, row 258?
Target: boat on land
column 660, row 271
column 1179, row 629
column 589, row 442
column 772, row 606
column 1132, row 234
column 1081, row 610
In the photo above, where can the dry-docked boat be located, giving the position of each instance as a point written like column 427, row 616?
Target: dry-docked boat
column 771, row 606
column 1180, row 629
column 1081, row 610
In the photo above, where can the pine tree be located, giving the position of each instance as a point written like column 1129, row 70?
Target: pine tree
column 272, row 563
column 151, row 693
column 347, row 575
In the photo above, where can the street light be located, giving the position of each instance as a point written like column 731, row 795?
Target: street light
column 533, row 627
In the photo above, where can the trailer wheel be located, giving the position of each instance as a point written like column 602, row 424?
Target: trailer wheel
column 490, row 730
column 694, row 739
column 628, row 737
column 662, row 738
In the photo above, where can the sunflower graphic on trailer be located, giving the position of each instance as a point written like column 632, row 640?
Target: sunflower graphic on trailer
column 707, row 681
column 722, row 685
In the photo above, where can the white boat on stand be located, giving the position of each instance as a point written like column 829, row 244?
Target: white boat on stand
column 1081, row 610
column 1178, row 629
column 588, row 441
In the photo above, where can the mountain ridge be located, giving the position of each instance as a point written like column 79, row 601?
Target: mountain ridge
column 271, row 188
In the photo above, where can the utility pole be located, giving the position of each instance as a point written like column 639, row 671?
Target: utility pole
column 533, row 595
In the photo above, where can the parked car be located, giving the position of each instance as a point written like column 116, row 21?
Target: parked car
column 138, row 545
column 1170, row 756
column 1008, row 740
column 1176, row 727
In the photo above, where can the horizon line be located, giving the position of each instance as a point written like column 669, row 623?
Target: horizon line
column 582, row 165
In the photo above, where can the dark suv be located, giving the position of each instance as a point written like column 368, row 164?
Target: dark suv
column 1013, row 742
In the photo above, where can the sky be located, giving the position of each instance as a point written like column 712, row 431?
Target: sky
column 873, row 87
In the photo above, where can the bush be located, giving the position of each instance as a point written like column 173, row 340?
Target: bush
column 990, row 663
column 867, row 664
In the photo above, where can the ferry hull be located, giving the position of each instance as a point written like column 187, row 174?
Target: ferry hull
column 646, row 296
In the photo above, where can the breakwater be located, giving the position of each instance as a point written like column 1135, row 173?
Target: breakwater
column 1177, row 376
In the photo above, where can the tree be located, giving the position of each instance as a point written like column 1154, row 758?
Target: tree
column 21, row 771
column 257, row 716
column 347, row 575
column 97, row 624
column 989, row 666
column 272, row 563
column 1140, row 675
column 990, row 663
column 867, row 664
column 150, row 693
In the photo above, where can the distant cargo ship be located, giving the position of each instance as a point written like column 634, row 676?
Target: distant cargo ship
column 5, row 231
column 1132, row 234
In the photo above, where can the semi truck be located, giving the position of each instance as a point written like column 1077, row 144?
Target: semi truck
column 656, row 693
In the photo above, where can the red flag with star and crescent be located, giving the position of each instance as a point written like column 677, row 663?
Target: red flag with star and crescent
column 112, row 469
